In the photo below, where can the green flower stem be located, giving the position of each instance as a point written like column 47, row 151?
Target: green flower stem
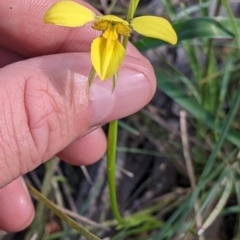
column 111, row 159
column 112, row 138
column 81, row 230
column 132, row 9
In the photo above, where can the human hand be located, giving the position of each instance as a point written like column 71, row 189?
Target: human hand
column 46, row 106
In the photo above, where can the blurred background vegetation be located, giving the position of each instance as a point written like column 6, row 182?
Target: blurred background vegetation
column 178, row 172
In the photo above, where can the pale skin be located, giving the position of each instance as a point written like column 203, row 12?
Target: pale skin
column 46, row 106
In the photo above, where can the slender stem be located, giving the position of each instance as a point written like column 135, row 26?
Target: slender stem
column 111, row 161
column 131, row 11
column 112, row 138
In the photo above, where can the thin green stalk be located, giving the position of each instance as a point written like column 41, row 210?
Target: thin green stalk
column 132, row 9
column 81, row 230
column 111, row 159
column 112, row 139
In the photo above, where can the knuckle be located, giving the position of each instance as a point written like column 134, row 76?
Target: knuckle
column 30, row 116
column 45, row 115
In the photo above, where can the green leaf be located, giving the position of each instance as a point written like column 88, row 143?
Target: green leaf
column 192, row 29
column 192, row 106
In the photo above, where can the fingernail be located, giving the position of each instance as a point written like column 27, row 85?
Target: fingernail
column 132, row 92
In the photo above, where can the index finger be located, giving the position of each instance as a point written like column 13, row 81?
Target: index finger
column 24, row 32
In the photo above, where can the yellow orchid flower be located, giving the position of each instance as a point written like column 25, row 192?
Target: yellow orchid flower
column 107, row 51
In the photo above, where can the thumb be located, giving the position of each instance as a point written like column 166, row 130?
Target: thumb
column 46, row 105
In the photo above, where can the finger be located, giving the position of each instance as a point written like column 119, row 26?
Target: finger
column 26, row 33
column 46, row 105
column 85, row 150
column 16, row 207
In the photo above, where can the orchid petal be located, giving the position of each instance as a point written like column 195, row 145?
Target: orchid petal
column 69, row 14
column 113, row 18
column 106, row 57
column 155, row 27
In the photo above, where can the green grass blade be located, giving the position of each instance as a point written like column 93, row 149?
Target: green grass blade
column 165, row 229
column 186, row 81
column 192, row 9
column 223, row 135
column 192, row 106
column 84, row 232
column 128, row 128
column 233, row 21
column 220, row 205
column 38, row 225
column 212, row 193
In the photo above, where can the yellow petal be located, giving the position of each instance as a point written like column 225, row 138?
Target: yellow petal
column 69, row 14
column 155, row 27
column 102, row 24
column 106, row 57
